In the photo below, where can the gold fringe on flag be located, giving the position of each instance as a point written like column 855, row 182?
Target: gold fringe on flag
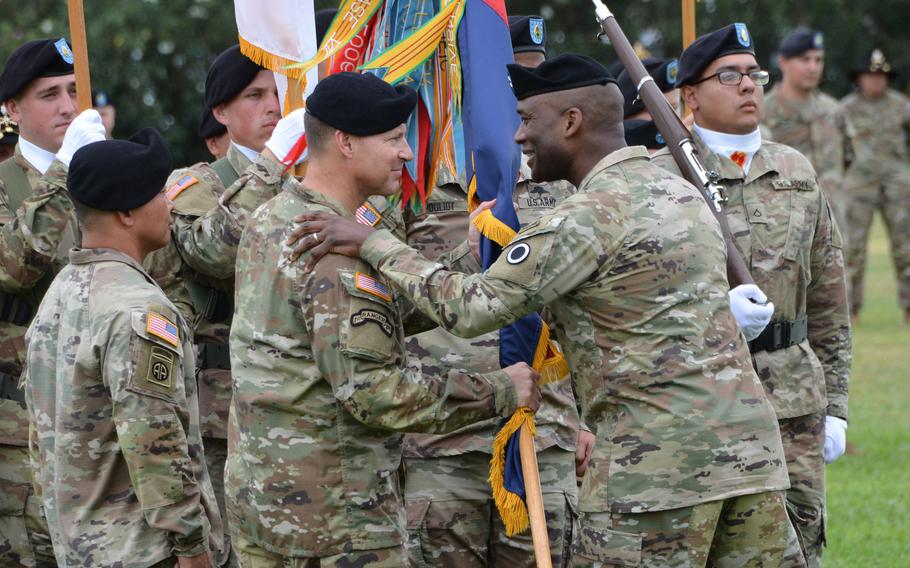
column 511, row 507
column 270, row 61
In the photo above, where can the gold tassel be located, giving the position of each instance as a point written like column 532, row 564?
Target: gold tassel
column 272, row 62
column 494, row 229
column 511, row 507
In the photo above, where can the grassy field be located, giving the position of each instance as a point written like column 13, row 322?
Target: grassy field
column 869, row 491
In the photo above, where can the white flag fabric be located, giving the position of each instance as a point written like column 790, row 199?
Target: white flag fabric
column 277, row 33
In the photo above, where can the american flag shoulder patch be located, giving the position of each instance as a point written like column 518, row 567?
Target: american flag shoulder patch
column 182, row 183
column 367, row 215
column 372, row 286
column 160, row 327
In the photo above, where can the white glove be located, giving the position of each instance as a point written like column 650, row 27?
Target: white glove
column 835, row 438
column 82, row 131
column 748, row 304
column 288, row 130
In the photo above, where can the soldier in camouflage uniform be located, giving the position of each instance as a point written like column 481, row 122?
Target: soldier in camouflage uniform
column 785, row 230
column 211, row 205
column 37, row 228
column 451, row 517
column 109, row 384
column 878, row 179
column 320, row 371
column 799, row 115
column 687, row 467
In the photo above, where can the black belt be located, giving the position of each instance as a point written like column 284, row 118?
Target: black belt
column 9, row 388
column 214, row 356
column 780, row 335
column 14, row 310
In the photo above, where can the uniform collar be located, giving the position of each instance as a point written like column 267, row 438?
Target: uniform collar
column 727, row 169
column 38, row 158
column 321, row 199
column 239, row 154
column 614, row 158
column 93, row 255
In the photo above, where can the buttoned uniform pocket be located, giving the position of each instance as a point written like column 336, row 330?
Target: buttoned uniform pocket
column 598, row 545
column 371, row 330
column 803, row 216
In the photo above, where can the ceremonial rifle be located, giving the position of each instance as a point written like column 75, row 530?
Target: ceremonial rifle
column 677, row 137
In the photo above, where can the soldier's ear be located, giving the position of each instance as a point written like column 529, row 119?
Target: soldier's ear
column 688, row 96
column 220, row 115
column 344, row 142
column 572, row 120
column 12, row 110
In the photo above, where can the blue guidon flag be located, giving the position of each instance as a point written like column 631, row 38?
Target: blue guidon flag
column 490, row 119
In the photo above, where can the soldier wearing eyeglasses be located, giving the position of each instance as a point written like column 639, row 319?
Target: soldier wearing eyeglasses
column 784, row 228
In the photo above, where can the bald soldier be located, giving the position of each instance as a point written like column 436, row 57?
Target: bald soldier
column 878, row 178
column 321, row 382
column 109, row 380
column 799, row 115
column 633, row 267
column 785, row 230
column 37, row 228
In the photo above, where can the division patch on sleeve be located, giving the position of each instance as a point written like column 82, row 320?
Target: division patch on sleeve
column 161, row 327
column 372, row 286
column 182, row 183
column 367, row 215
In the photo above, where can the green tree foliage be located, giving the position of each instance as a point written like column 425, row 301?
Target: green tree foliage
column 152, row 55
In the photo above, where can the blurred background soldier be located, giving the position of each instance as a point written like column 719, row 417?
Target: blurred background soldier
column 640, row 130
column 214, row 134
column 102, row 102
column 878, row 179
column 9, row 136
column 799, row 115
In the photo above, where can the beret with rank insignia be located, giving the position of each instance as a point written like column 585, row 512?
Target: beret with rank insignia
column 361, row 104
column 33, row 60
column 728, row 40
column 561, row 73
column 873, row 62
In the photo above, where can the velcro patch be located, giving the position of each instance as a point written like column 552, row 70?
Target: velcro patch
column 800, row 184
column 161, row 327
column 156, row 371
column 365, row 316
column 183, row 183
column 372, row 286
column 366, row 215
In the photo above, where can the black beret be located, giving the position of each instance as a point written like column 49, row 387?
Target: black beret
column 561, row 73
column 32, row 60
column 799, row 41
column 873, row 62
column 528, row 34
column 323, row 21
column 9, row 130
column 208, row 126
column 664, row 73
column 361, row 103
column 119, row 175
column 643, row 133
column 734, row 38
column 101, row 99
column 231, row 72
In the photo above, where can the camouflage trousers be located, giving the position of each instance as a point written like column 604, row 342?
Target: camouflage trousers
column 750, row 530
column 452, row 521
column 24, row 537
column 251, row 555
column 804, row 442
column 215, row 459
column 889, row 194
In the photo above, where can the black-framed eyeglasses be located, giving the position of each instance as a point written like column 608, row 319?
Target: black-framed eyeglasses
column 734, row 78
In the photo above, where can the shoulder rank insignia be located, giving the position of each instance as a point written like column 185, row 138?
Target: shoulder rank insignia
column 372, row 286
column 161, row 327
column 177, row 188
column 367, row 215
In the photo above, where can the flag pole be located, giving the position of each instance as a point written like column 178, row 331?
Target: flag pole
column 688, row 22
column 80, row 54
column 534, row 498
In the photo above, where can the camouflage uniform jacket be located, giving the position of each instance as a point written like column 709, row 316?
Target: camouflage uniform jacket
column 633, row 268
column 110, row 389
column 207, row 223
column 783, row 227
column 819, row 129
column 440, row 229
column 36, row 231
column 320, row 384
column 881, row 125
